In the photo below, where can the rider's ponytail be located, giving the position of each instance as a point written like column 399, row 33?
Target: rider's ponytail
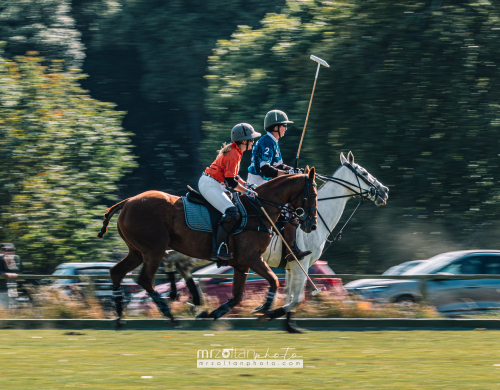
column 224, row 150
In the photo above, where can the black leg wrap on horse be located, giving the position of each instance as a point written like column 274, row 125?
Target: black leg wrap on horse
column 290, row 325
column 118, row 299
column 161, row 303
column 268, row 303
column 173, row 287
column 193, row 289
column 276, row 313
column 222, row 309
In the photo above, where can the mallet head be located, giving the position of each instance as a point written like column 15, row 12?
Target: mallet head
column 318, row 291
column 319, row 61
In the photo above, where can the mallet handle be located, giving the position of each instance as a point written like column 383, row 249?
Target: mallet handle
column 307, row 117
column 279, row 234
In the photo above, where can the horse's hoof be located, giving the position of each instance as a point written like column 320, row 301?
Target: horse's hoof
column 118, row 323
column 175, row 297
column 202, row 314
column 175, row 324
column 260, row 309
column 292, row 328
column 192, row 309
column 261, row 320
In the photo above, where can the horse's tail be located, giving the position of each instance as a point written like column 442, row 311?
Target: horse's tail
column 109, row 213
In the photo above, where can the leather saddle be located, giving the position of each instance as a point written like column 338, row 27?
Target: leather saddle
column 195, row 197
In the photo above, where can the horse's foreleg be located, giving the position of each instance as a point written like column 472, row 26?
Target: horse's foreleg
column 295, row 293
column 263, row 270
column 295, row 289
column 239, row 279
column 288, row 290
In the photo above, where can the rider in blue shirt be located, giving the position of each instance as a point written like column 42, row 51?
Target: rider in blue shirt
column 267, row 164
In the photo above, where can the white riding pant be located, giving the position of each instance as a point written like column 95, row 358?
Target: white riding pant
column 255, row 179
column 213, row 191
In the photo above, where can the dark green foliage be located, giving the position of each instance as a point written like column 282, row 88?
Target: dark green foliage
column 61, row 155
column 45, row 26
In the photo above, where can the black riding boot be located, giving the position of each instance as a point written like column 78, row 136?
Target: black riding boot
column 290, row 235
column 220, row 249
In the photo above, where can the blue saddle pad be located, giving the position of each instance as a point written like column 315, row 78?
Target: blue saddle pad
column 198, row 218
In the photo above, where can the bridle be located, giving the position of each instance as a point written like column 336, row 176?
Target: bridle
column 301, row 213
column 307, row 195
column 370, row 194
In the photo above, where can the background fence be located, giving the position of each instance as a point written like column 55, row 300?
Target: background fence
column 345, row 277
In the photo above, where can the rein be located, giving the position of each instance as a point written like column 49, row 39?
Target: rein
column 284, row 209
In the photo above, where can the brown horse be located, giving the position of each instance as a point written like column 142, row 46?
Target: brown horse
column 152, row 221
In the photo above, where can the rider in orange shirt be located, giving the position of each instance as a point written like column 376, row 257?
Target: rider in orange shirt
column 221, row 175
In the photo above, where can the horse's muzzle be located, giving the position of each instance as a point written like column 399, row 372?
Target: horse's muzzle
column 382, row 196
column 308, row 226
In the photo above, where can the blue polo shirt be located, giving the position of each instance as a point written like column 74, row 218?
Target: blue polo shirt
column 265, row 151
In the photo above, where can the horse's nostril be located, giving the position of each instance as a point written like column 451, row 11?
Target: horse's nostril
column 314, row 227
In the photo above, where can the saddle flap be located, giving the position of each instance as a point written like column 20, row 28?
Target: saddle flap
column 202, row 216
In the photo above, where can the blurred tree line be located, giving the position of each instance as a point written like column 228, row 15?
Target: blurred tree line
column 411, row 91
column 61, row 154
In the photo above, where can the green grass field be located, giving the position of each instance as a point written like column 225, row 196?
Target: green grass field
column 58, row 359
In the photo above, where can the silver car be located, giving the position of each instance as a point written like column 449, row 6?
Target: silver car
column 403, row 267
column 449, row 296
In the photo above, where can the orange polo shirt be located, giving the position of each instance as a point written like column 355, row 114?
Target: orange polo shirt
column 226, row 166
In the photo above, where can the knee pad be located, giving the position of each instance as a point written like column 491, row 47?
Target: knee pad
column 231, row 214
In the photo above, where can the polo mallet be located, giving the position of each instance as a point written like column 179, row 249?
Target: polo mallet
column 320, row 62
column 316, row 289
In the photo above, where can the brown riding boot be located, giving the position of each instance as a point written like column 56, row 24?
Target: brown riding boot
column 290, row 236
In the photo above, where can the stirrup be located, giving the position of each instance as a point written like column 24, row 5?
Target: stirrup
column 224, row 256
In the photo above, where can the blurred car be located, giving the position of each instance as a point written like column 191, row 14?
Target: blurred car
column 221, row 288
column 76, row 283
column 403, row 267
column 449, row 296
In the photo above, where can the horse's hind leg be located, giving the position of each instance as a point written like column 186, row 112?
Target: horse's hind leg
column 152, row 261
column 118, row 272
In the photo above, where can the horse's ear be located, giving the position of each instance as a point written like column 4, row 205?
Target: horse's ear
column 343, row 160
column 312, row 173
column 350, row 158
column 307, row 169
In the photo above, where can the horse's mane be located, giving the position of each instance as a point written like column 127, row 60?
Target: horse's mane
column 275, row 182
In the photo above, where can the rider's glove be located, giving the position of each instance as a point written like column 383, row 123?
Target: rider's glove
column 252, row 186
column 251, row 194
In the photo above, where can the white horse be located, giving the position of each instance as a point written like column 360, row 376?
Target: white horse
column 348, row 181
